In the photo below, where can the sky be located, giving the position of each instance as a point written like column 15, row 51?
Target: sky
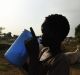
column 17, row 15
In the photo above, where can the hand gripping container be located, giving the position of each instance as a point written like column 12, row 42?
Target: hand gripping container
column 17, row 53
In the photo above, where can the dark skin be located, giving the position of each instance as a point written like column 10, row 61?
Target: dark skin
column 51, row 39
column 54, row 30
column 33, row 50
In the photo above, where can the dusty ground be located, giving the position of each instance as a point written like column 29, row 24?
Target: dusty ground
column 8, row 69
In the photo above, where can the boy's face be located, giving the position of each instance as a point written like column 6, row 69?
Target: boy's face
column 47, row 37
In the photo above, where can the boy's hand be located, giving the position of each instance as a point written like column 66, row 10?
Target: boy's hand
column 33, row 51
column 33, row 46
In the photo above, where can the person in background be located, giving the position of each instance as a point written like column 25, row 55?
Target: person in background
column 55, row 28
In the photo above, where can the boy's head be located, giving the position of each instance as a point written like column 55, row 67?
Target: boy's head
column 55, row 28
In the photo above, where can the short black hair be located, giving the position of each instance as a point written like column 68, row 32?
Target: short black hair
column 57, row 23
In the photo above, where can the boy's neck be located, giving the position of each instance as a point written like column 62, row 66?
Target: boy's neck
column 55, row 49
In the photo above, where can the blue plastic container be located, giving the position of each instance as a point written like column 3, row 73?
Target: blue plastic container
column 17, row 53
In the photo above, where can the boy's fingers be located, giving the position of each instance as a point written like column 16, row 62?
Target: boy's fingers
column 32, row 32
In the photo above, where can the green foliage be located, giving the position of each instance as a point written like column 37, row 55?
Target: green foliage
column 1, row 28
column 8, row 35
column 77, row 31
